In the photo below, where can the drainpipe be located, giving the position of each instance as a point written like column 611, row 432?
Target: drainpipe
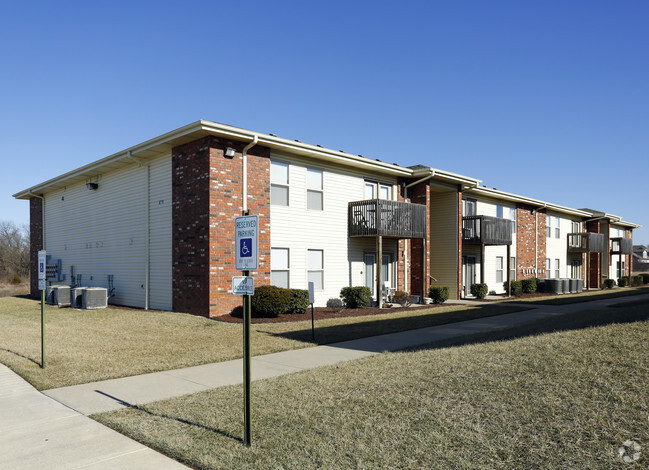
column 147, row 238
column 42, row 198
column 406, row 265
column 255, row 139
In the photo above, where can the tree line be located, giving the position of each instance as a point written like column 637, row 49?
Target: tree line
column 14, row 250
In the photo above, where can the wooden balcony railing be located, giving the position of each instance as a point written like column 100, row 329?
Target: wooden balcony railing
column 621, row 246
column 487, row 230
column 390, row 219
column 586, row 242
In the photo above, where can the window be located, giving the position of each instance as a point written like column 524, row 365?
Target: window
column 557, row 270
column 557, row 230
column 622, row 272
column 507, row 213
column 468, row 207
column 499, row 211
column 553, row 221
column 548, row 268
column 575, row 269
column 512, row 268
column 279, row 267
column 315, row 268
column 384, row 191
column 576, row 227
column 499, row 269
column 548, row 226
column 372, row 189
column 279, row 183
column 314, row 194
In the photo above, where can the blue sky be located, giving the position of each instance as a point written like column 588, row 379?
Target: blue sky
column 544, row 99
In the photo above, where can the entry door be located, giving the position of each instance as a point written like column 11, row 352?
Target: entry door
column 468, row 274
column 370, row 278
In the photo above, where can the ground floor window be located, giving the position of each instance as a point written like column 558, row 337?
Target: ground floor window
column 512, row 268
column 279, row 267
column 621, row 272
column 557, row 268
column 315, row 263
column 548, row 268
column 575, row 269
column 499, row 269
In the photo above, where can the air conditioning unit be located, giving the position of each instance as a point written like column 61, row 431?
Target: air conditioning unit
column 49, row 295
column 94, row 297
column 61, row 295
column 76, row 297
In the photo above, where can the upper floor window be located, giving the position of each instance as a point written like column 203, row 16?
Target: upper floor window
column 377, row 190
column 314, row 185
column 575, row 227
column 279, row 183
column 507, row 213
column 557, row 229
column 553, row 222
column 468, row 207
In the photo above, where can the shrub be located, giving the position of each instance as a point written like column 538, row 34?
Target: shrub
column 516, row 287
column 479, row 290
column 438, row 294
column 645, row 278
column 609, row 283
column 356, row 297
column 270, row 301
column 15, row 279
column 335, row 304
column 402, row 298
column 529, row 285
column 636, row 280
column 299, row 302
column 623, row 281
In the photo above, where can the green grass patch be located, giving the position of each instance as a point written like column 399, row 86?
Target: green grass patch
column 90, row 345
column 586, row 296
column 565, row 392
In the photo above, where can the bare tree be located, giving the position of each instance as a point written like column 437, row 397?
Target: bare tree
column 14, row 249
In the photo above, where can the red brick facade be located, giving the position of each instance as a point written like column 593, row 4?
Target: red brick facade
column 207, row 196
column 420, row 194
column 35, row 242
column 530, row 223
column 594, row 273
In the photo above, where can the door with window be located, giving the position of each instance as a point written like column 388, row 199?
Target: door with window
column 370, row 271
column 468, row 274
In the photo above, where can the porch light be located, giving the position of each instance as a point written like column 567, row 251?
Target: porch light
column 229, row 152
column 92, row 186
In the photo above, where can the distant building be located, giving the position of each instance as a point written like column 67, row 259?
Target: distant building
column 640, row 259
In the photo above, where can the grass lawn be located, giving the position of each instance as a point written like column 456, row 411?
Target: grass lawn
column 89, row 345
column 586, row 296
column 559, row 393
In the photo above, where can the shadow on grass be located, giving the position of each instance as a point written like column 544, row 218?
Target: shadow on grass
column 606, row 294
column 21, row 355
column 627, row 312
column 173, row 418
column 337, row 333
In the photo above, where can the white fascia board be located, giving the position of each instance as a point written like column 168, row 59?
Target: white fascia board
column 496, row 194
column 446, row 176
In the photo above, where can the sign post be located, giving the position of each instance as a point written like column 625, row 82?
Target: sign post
column 246, row 246
column 42, row 284
column 312, row 301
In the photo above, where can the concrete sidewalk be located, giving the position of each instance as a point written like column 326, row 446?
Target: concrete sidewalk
column 114, row 394
column 38, row 432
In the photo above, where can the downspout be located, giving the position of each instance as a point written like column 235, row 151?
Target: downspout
column 536, row 240
column 42, row 198
column 405, row 261
column 255, row 139
column 147, row 238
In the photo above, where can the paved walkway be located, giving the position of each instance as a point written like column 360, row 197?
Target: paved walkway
column 49, row 429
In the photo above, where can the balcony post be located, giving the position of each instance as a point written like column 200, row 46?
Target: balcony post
column 379, row 265
column 481, row 264
column 509, row 269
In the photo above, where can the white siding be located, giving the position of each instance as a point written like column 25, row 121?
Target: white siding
column 557, row 248
column 299, row 229
column 103, row 232
column 444, row 240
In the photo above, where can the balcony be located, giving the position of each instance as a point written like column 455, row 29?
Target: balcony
column 391, row 219
column 586, row 242
column 486, row 230
column 621, row 246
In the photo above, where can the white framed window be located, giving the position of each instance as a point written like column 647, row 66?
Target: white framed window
column 557, row 229
column 468, row 207
column 385, row 191
column 370, row 190
column 314, row 191
column 548, row 226
column 557, row 268
column 499, row 269
column 315, row 266
column 622, row 272
column 507, row 213
column 374, row 190
column 512, row 268
column 548, row 268
column 575, row 269
column 279, row 183
column 279, row 267
column 575, row 227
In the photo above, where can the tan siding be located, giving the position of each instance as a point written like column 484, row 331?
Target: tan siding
column 443, row 240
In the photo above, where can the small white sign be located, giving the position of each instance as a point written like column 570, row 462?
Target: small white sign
column 245, row 242
column 311, row 293
column 42, row 264
column 243, row 285
column 42, row 284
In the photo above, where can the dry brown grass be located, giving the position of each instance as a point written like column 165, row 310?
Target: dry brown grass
column 12, row 290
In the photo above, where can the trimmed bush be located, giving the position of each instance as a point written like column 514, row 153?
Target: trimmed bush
column 529, row 285
column 356, row 297
column 479, row 290
column 335, row 304
column 270, row 301
column 15, row 279
column 623, row 281
column 636, row 280
column 609, row 283
column 402, row 298
column 516, row 287
column 645, row 278
column 299, row 302
column 438, row 294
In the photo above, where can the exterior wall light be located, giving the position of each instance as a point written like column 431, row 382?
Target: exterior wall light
column 92, row 186
column 229, row 152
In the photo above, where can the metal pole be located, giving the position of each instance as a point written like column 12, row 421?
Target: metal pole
column 42, row 329
column 246, row 366
column 312, row 324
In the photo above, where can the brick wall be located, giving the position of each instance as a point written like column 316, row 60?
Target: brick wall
column 628, row 263
column 528, row 225
column 207, row 196
column 594, row 271
column 459, row 243
column 35, row 242
column 420, row 194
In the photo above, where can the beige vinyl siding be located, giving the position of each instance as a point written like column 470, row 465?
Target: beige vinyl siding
column 444, row 240
column 299, row 229
column 557, row 248
column 103, row 232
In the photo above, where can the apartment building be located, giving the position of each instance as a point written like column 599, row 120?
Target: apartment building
column 157, row 219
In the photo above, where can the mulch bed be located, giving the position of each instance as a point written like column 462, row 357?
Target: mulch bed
column 320, row 313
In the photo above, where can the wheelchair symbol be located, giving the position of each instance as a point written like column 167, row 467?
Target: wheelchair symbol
column 245, row 245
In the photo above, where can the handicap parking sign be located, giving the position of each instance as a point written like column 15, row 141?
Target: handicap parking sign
column 245, row 247
column 245, row 241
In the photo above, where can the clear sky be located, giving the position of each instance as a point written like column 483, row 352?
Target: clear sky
column 545, row 99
